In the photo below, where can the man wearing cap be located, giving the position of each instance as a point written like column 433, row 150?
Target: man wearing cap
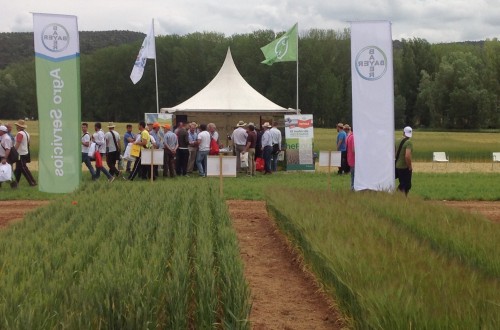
column 100, row 141
column 113, row 149
column 5, row 147
column 193, row 146
column 22, row 146
column 267, row 147
column 239, row 138
column 341, row 146
column 170, row 145
column 404, row 166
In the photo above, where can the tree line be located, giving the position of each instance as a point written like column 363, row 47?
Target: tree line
column 443, row 86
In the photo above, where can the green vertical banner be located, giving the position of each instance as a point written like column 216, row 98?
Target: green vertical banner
column 57, row 59
column 299, row 134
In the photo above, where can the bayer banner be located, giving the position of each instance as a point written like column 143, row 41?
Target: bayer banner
column 57, row 60
column 373, row 105
column 299, row 133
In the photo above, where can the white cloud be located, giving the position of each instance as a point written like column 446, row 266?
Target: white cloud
column 434, row 20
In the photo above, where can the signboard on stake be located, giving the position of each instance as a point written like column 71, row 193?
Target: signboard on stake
column 299, row 133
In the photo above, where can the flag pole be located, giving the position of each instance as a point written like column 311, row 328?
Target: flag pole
column 156, row 73
column 297, row 68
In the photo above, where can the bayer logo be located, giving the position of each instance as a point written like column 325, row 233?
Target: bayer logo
column 371, row 63
column 281, row 47
column 55, row 37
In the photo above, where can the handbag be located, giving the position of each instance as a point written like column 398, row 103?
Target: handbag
column 244, row 159
column 5, row 172
column 135, row 150
column 126, row 154
column 92, row 150
column 13, row 155
column 214, row 147
column 276, row 149
column 98, row 159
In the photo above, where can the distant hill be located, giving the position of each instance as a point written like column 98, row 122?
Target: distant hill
column 17, row 46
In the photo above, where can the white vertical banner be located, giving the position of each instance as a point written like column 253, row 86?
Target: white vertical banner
column 373, row 104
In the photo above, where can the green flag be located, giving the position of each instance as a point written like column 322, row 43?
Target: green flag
column 283, row 49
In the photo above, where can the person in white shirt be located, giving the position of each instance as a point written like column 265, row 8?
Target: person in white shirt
column 267, row 147
column 5, row 147
column 86, row 141
column 239, row 138
column 100, row 141
column 113, row 149
column 22, row 145
column 276, row 138
column 203, row 150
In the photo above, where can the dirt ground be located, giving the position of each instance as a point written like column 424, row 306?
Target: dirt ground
column 15, row 210
column 284, row 295
column 490, row 210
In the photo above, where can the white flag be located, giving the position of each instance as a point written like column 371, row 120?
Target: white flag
column 148, row 50
column 373, row 105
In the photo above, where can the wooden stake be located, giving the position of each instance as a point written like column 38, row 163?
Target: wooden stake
column 151, row 173
column 329, row 170
column 221, row 189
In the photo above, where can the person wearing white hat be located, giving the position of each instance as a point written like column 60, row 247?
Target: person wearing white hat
column 239, row 138
column 5, row 149
column 22, row 146
column 267, row 147
column 404, row 166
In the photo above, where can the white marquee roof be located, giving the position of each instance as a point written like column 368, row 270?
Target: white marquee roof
column 227, row 92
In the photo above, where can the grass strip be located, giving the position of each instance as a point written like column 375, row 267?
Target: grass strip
column 381, row 274
column 112, row 256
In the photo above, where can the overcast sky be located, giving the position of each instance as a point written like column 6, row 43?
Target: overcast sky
column 433, row 20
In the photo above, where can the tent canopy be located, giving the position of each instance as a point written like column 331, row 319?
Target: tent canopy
column 228, row 92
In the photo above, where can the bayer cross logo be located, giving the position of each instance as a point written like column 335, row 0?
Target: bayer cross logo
column 55, row 37
column 371, row 63
column 281, row 47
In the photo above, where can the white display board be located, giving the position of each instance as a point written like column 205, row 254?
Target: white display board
column 335, row 158
column 228, row 166
column 157, row 157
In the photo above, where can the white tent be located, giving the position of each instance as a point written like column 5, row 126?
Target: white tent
column 228, row 92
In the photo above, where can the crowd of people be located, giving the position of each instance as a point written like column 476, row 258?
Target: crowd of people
column 185, row 149
column 403, row 156
column 14, row 150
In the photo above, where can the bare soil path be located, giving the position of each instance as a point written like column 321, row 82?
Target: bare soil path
column 283, row 295
column 15, row 210
column 490, row 210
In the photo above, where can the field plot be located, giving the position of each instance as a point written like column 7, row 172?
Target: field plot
column 395, row 263
column 112, row 256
